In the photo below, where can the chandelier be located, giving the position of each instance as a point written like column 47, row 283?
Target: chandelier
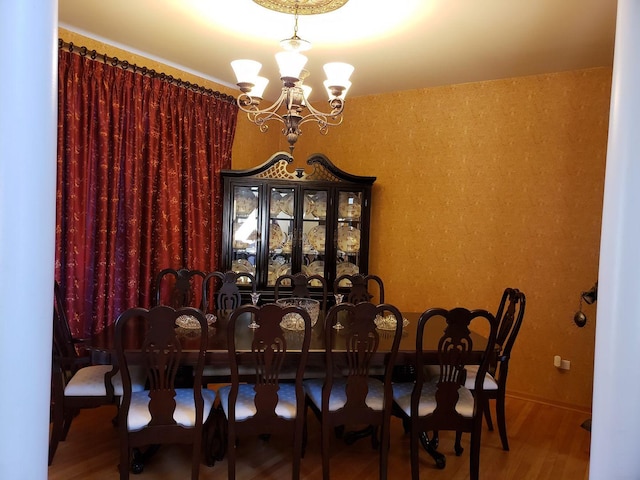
column 292, row 108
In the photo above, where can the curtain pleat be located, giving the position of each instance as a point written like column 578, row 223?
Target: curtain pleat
column 139, row 185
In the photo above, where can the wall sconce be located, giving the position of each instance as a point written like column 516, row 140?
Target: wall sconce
column 590, row 297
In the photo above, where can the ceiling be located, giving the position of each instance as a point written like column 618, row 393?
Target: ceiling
column 394, row 45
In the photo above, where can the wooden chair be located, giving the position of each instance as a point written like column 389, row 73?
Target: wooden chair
column 75, row 383
column 301, row 285
column 163, row 414
column 509, row 322
column 221, row 295
column 355, row 397
column 220, row 290
column 359, row 290
column 266, row 406
column 495, row 384
column 443, row 402
column 179, row 288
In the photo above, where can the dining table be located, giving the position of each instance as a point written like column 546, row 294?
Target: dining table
column 102, row 344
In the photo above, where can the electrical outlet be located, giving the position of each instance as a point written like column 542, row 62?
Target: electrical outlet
column 558, row 362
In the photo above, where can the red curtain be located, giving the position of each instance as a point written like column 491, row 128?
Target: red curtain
column 139, row 187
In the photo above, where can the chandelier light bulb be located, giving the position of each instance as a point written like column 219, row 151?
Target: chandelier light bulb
column 259, row 86
column 246, row 70
column 338, row 73
column 291, row 65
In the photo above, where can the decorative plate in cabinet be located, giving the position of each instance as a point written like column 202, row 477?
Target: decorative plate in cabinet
column 348, row 239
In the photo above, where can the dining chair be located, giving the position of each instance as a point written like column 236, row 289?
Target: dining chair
column 509, row 321
column 221, row 295
column 265, row 405
column 220, row 291
column 348, row 394
column 444, row 403
column 76, row 383
column 178, row 288
column 358, row 289
column 162, row 413
column 301, row 285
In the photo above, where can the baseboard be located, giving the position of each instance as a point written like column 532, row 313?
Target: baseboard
column 546, row 401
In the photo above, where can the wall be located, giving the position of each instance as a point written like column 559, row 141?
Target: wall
column 480, row 186
column 483, row 186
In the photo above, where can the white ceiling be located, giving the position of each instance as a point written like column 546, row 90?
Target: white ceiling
column 394, row 44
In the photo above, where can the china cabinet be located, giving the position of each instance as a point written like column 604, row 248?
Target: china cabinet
column 278, row 221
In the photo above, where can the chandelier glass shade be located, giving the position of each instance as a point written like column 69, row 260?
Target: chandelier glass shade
column 292, row 108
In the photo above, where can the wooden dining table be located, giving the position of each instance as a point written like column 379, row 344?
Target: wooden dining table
column 102, row 344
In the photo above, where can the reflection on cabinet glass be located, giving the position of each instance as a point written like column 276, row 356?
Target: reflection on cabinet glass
column 280, row 222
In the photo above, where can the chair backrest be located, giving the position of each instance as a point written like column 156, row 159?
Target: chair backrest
column 64, row 346
column 68, row 356
column 510, row 319
column 148, row 339
column 179, row 288
column 455, row 351
column 359, row 290
column 301, row 285
column 220, row 290
column 265, row 356
column 359, row 340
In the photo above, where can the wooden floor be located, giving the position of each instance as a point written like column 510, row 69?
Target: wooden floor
column 546, row 443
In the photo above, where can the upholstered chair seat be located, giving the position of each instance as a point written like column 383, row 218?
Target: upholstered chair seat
column 246, row 406
column 89, row 382
column 338, row 396
column 402, row 397
column 184, row 413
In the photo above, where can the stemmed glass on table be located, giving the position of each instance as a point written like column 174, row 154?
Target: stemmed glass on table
column 254, row 299
column 339, row 297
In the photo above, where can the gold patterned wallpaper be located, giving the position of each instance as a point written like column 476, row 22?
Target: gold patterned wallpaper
column 479, row 186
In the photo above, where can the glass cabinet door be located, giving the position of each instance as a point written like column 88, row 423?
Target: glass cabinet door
column 278, row 221
column 245, row 229
column 314, row 233
column 348, row 234
column 281, row 232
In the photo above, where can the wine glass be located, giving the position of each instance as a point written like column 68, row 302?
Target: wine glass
column 339, row 297
column 254, row 299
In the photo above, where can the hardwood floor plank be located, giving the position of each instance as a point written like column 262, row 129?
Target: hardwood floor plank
column 546, row 442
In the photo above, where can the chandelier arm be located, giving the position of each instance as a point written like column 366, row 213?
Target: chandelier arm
column 249, row 105
column 325, row 120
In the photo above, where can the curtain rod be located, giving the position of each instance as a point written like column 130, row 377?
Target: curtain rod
column 125, row 65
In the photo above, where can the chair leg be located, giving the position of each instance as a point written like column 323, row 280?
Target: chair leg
column 196, row 457
column 500, row 418
column 474, row 455
column 123, row 467
column 56, row 434
column 458, row 445
column 325, row 438
column 66, row 424
column 487, row 415
column 413, row 451
column 231, row 458
column 384, row 451
column 298, row 440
